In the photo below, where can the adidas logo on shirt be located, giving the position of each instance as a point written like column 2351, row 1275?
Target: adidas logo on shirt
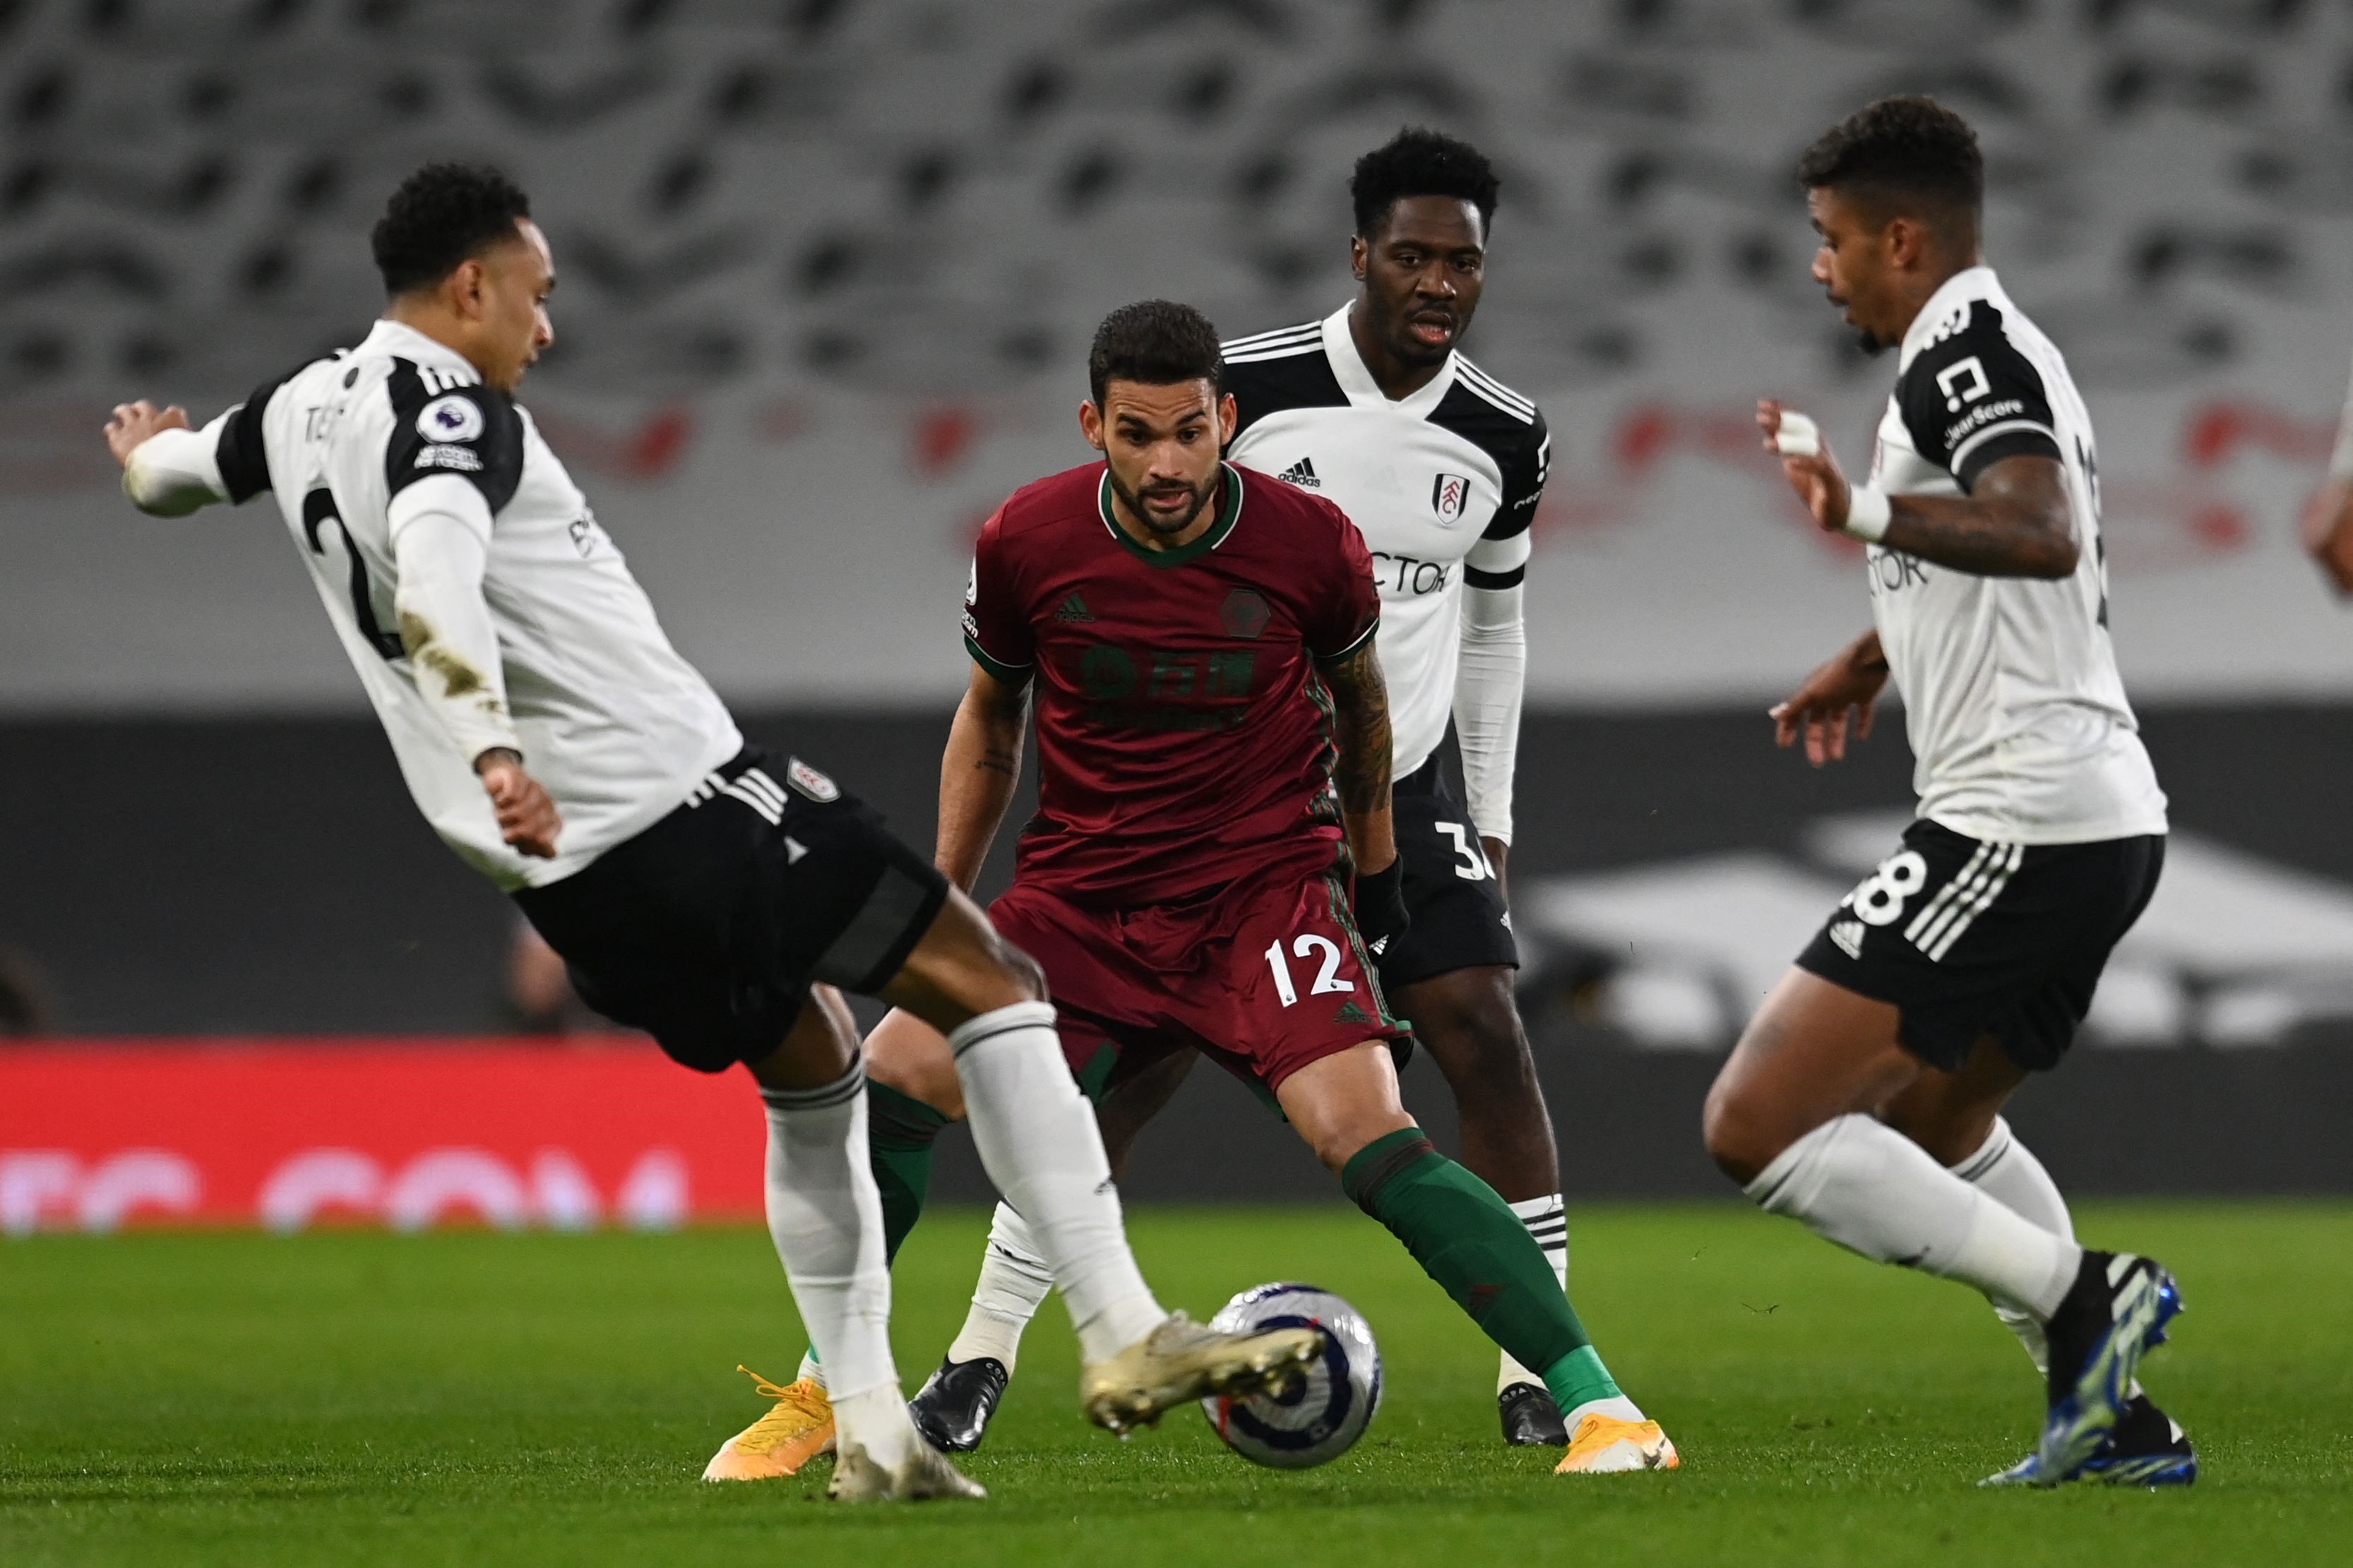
column 1073, row 611
column 1848, row 935
column 1303, row 474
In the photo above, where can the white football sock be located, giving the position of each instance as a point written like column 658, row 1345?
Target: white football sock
column 2006, row 1171
column 1013, row 1284
column 1860, row 1183
column 877, row 1422
column 826, row 1217
column 1038, row 1139
column 1548, row 1221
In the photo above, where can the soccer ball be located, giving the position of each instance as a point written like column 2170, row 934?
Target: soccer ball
column 1312, row 1418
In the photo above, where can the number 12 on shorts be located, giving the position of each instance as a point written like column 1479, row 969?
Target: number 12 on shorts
column 1306, row 946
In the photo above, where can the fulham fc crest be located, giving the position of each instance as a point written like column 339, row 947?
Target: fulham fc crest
column 811, row 782
column 1449, row 494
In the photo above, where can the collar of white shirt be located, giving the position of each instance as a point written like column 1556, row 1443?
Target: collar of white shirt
column 1363, row 392
column 1969, row 284
column 398, row 338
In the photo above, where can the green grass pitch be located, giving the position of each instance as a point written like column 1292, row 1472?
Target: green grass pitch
column 468, row 1398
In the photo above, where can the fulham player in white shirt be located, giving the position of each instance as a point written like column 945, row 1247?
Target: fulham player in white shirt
column 1865, row 1097
column 696, row 888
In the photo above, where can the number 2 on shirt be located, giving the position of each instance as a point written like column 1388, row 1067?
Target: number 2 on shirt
column 1306, row 946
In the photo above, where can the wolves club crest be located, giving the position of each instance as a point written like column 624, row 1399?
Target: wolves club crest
column 1449, row 494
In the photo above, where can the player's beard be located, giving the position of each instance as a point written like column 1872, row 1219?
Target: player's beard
column 1150, row 519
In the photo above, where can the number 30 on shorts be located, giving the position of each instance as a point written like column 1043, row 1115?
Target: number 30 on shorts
column 1880, row 897
column 1307, row 946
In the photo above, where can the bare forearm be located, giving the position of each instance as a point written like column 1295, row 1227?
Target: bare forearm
column 2017, row 523
column 1361, row 772
column 977, row 775
column 1986, row 542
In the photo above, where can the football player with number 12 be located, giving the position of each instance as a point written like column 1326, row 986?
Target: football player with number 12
column 1375, row 408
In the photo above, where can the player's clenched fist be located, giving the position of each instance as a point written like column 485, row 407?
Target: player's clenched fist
column 134, row 423
column 528, row 819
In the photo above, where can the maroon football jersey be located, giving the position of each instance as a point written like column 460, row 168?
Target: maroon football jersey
column 1184, row 736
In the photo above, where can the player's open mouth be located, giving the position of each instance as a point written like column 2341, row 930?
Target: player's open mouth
column 1433, row 330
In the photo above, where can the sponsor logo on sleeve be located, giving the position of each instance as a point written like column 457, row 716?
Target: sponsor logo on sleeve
column 1963, row 381
column 465, row 459
column 448, row 419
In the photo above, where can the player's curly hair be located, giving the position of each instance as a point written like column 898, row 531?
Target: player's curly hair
column 439, row 217
column 1909, row 151
column 1157, row 342
column 1419, row 162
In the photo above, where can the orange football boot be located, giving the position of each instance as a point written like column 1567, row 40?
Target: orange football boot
column 797, row 1429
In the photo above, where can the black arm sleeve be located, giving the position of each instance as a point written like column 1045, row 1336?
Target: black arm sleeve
column 1523, row 483
column 1971, row 398
column 244, row 460
column 472, row 431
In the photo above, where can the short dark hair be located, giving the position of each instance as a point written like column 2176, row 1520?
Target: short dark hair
column 1907, row 152
column 1157, row 342
column 1417, row 161
column 440, row 216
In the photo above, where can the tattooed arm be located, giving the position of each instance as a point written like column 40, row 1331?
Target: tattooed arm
column 978, row 771
column 2015, row 521
column 1362, row 772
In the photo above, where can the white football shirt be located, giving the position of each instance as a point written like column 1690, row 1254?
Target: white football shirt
column 2020, row 729
column 610, row 720
column 1442, row 483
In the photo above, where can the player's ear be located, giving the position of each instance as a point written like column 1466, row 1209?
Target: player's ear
column 464, row 289
column 1906, row 241
column 1091, row 424
column 1360, row 256
column 1226, row 419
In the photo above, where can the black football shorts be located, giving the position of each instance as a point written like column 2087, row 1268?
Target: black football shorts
column 1452, row 896
column 1968, row 937
column 707, row 929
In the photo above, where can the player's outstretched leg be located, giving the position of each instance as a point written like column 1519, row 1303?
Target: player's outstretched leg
column 1957, row 1116
column 826, row 1218
column 1791, row 1118
column 1038, row 1139
column 955, row 1406
column 1469, row 1022
column 1468, row 1239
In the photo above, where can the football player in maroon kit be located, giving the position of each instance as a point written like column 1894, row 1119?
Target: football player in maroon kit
column 1213, row 738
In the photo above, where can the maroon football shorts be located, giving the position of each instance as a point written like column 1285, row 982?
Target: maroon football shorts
column 1265, row 976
